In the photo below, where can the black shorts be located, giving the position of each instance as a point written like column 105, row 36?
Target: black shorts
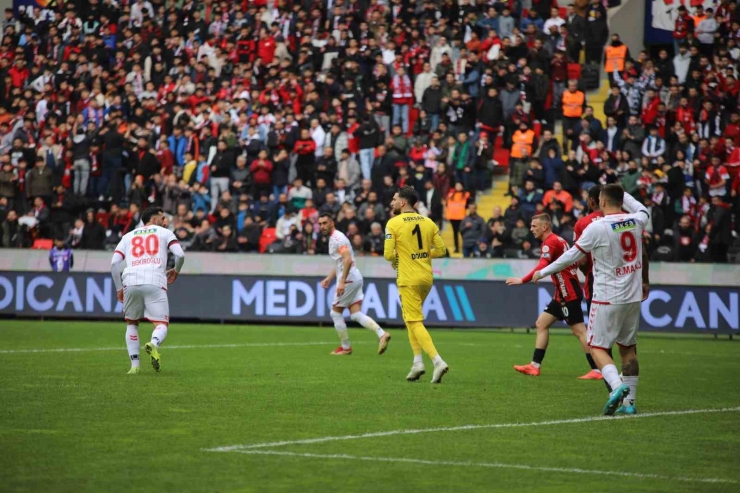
column 570, row 311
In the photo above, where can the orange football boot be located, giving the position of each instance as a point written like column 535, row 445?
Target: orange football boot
column 528, row 370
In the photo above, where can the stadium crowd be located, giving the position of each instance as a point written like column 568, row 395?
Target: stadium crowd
column 245, row 120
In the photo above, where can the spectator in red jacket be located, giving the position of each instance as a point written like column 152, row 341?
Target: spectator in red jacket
column 261, row 169
column 266, row 47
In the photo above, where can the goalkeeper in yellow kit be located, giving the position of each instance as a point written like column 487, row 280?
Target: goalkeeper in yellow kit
column 411, row 242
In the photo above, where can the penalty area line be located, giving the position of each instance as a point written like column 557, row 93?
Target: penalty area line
column 492, row 465
column 234, row 448
column 191, row 346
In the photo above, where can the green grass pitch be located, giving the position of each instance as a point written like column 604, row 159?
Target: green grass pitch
column 73, row 421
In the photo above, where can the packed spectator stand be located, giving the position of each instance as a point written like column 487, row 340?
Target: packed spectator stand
column 245, row 121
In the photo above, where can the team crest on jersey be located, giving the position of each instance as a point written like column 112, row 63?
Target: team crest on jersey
column 545, row 249
column 624, row 225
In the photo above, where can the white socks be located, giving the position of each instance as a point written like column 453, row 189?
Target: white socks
column 132, row 344
column 437, row 360
column 159, row 335
column 418, row 359
column 611, row 375
column 368, row 323
column 341, row 327
column 632, row 382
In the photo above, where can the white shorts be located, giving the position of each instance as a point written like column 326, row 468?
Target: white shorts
column 352, row 294
column 608, row 324
column 146, row 301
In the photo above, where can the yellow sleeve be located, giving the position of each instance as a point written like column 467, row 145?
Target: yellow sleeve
column 389, row 249
column 439, row 249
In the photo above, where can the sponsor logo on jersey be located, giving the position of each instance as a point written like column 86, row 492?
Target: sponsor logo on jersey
column 388, row 236
column 417, row 256
column 624, row 225
column 144, row 231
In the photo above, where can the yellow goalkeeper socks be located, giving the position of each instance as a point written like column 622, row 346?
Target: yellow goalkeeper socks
column 415, row 346
column 423, row 339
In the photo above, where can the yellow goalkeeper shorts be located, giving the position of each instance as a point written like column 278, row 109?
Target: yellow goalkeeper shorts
column 412, row 300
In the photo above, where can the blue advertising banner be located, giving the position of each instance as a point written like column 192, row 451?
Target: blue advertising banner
column 455, row 304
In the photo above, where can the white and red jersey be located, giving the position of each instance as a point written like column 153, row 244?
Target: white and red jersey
column 145, row 252
column 338, row 244
column 615, row 245
column 578, row 230
column 567, row 286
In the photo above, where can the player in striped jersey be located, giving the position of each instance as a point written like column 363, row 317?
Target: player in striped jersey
column 143, row 287
column 565, row 304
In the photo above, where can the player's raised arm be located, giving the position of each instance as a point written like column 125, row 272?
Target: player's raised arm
column 438, row 246
column 633, row 206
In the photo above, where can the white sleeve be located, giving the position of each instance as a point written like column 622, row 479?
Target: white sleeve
column 633, row 206
column 566, row 260
column 174, row 246
column 115, row 268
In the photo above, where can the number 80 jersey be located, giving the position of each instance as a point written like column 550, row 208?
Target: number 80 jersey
column 145, row 251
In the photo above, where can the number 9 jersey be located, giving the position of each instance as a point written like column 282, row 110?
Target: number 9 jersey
column 411, row 241
column 615, row 244
column 145, row 251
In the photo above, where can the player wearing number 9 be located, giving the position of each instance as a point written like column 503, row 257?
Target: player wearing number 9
column 143, row 286
column 616, row 249
column 411, row 242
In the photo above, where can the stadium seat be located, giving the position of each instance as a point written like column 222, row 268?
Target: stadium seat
column 268, row 237
column 42, row 244
column 563, row 12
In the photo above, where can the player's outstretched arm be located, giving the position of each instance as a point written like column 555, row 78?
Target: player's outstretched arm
column 438, row 247
column 566, row 260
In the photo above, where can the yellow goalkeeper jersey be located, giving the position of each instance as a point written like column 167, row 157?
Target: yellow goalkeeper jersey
column 411, row 242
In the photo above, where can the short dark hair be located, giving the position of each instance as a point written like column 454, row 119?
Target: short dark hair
column 594, row 192
column 148, row 214
column 409, row 195
column 327, row 215
column 613, row 194
column 544, row 217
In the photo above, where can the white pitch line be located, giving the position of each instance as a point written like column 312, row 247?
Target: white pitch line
column 497, row 465
column 194, row 346
column 233, row 448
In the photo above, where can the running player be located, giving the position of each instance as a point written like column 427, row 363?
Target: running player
column 143, row 287
column 565, row 304
column 348, row 292
column 618, row 290
column 411, row 241
column 586, row 265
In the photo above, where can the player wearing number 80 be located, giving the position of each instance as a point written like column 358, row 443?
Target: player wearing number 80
column 411, row 241
column 143, row 286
